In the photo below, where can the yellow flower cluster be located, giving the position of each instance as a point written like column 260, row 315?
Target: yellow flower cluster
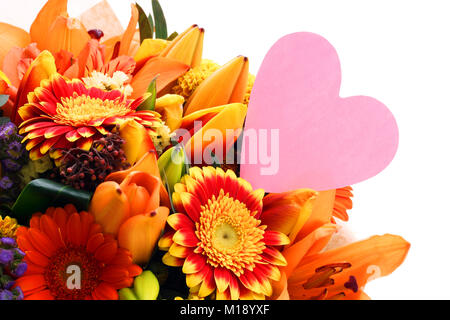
column 190, row 81
column 8, row 227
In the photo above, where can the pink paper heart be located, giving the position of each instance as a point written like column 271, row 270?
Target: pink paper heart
column 325, row 142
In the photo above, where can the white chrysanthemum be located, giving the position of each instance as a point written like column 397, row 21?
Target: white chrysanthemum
column 105, row 82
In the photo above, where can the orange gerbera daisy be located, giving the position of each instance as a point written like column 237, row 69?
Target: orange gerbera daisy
column 61, row 114
column 218, row 238
column 64, row 238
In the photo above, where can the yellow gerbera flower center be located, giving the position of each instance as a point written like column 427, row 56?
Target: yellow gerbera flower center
column 81, row 110
column 229, row 234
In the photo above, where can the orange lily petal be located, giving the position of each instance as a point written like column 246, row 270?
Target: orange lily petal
column 375, row 257
column 149, row 48
column 66, row 34
column 170, row 107
column 137, row 140
column 39, row 30
column 150, row 186
column 166, row 70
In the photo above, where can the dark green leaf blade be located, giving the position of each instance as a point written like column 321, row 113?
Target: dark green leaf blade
column 172, row 36
column 145, row 29
column 160, row 20
column 40, row 194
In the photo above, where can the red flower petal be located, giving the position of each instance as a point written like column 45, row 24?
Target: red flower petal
column 275, row 238
column 185, row 237
column 194, row 263
column 178, row 221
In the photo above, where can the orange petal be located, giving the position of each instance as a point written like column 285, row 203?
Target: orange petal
column 322, row 213
column 39, row 30
column 91, row 58
column 66, row 34
column 166, row 70
column 170, row 107
column 211, row 135
column 43, row 67
column 129, row 33
column 287, row 212
column 141, row 187
column 10, row 37
column 110, row 206
column 226, row 85
column 149, row 48
column 140, row 234
column 137, row 140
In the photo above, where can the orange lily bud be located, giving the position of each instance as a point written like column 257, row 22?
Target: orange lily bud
column 43, row 67
column 142, row 191
column 110, row 206
column 10, row 37
column 140, row 233
column 219, row 119
column 137, row 141
column 149, row 48
column 66, row 34
column 170, row 107
column 39, row 30
column 187, row 47
column 229, row 85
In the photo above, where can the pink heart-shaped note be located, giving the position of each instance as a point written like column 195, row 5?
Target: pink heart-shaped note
column 324, row 141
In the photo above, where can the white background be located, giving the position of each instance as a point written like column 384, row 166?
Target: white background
column 397, row 51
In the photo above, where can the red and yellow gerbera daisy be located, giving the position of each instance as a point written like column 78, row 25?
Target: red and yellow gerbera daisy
column 218, row 238
column 61, row 114
column 64, row 238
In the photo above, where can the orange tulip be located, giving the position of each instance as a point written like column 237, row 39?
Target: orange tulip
column 137, row 141
column 131, row 212
column 148, row 164
column 110, row 206
column 141, row 233
column 186, row 47
column 10, row 37
column 229, row 84
column 42, row 68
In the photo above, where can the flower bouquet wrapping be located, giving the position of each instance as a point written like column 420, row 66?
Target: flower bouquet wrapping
column 121, row 176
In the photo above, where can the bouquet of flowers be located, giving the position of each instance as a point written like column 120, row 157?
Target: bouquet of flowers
column 114, row 183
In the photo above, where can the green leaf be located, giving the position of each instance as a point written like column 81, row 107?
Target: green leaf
column 40, row 194
column 3, row 99
column 172, row 36
column 149, row 104
column 160, row 20
column 145, row 29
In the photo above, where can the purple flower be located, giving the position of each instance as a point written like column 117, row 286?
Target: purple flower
column 11, row 165
column 6, row 256
column 5, row 183
column 6, row 295
column 7, row 130
column 8, row 242
column 15, row 150
column 19, row 293
column 20, row 269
